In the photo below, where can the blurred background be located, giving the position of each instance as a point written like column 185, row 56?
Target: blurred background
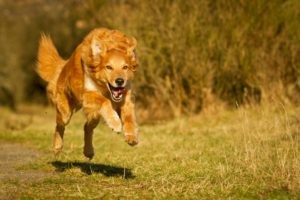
column 194, row 55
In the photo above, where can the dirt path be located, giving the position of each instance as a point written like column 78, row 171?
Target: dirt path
column 12, row 157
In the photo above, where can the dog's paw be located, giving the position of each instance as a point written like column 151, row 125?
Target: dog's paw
column 115, row 123
column 57, row 147
column 131, row 140
column 111, row 117
column 117, row 127
column 88, row 152
column 57, row 151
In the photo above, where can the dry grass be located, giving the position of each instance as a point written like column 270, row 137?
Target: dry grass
column 247, row 153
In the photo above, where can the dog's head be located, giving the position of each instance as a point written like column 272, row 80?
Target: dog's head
column 110, row 60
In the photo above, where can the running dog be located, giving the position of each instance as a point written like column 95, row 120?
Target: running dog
column 97, row 77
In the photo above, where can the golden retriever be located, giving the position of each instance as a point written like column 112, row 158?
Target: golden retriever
column 97, row 77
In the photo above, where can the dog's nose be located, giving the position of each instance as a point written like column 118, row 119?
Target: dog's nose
column 119, row 81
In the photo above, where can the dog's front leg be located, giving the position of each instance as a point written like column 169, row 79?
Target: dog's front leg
column 129, row 122
column 95, row 105
column 89, row 126
column 110, row 116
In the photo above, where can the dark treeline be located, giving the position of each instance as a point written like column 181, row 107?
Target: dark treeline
column 192, row 54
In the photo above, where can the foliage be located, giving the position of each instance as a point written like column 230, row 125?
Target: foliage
column 239, row 52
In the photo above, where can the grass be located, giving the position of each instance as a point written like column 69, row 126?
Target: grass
column 247, row 153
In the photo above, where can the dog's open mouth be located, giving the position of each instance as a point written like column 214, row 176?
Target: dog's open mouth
column 116, row 92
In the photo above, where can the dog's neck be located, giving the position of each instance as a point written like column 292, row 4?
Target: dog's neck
column 89, row 83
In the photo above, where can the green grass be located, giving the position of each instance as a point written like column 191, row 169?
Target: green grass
column 248, row 153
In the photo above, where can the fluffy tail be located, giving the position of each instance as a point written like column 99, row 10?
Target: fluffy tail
column 49, row 62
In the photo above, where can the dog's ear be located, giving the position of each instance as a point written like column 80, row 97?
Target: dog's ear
column 97, row 47
column 131, row 53
column 131, row 49
column 92, row 50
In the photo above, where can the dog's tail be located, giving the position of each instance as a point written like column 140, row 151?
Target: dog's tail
column 49, row 62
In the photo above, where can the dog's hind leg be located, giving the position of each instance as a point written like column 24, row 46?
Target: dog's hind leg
column 63, row 116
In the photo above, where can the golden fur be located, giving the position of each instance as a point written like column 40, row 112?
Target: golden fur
column 96, row 77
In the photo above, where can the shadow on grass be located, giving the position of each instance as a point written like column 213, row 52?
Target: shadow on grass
column 90, row 168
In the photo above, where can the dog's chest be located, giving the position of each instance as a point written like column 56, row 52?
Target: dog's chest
column 89, row 84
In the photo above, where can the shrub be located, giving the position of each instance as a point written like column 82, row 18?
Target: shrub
column 241, row 51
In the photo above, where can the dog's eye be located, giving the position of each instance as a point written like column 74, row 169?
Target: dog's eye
column 125, row 67
column 108, row 67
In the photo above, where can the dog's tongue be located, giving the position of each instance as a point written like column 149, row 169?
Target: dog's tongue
column 118, row 92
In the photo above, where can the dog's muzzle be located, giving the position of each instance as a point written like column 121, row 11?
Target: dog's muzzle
column 116, row 92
